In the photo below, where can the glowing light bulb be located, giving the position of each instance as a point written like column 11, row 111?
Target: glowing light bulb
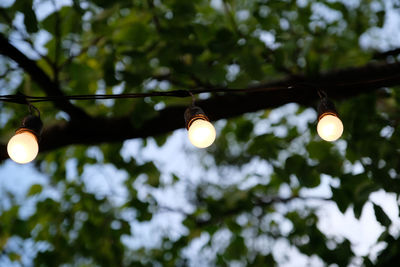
column 201, row 133
column 23, row 147
column 330, row 127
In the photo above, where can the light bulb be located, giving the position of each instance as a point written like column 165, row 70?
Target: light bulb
column 23, row 147
column 201, row 133
column 330, row 127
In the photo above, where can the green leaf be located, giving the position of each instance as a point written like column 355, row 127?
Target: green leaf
column 381, row 216
column 236, row 248
column 35, row 189
column 307, row 175
column 161, row 139
column 342, row 198
column 381, row 18
column 67, row 19
column 153, row 174
column 26, row 7
column 319, row 150
column 265, row 146
column 244, row 130
column 14, row 256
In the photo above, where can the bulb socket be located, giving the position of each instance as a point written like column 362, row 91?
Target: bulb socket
column 326, row 107
column 32, row 124
column 193, row 113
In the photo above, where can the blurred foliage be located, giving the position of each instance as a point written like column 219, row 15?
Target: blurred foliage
column 102, row 46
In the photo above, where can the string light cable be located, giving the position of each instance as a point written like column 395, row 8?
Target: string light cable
column 21, row 98
column 23, row 147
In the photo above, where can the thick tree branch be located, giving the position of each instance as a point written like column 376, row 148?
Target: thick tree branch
column 50, row 87
column 383, row 55
column 339, row 85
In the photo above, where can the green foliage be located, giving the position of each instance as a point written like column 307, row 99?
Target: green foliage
column 35, row 189
column 381, row 216
column 135, row 46
column 25, row 7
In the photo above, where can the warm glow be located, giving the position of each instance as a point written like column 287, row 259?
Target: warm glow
column 23, row 147
column 201, row 133
column 330, row 128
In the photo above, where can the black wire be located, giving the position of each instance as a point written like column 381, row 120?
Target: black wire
column 322, row 94
column 32, row 108
column 20, row 98
column 26, row 99
column 193, row 99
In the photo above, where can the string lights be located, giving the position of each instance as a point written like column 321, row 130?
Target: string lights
column 23, row 147
column 201, row 132
column 330, row 127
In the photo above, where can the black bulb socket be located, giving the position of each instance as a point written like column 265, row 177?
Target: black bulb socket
column 32, row 124
column 326, row 107
column 193, row 113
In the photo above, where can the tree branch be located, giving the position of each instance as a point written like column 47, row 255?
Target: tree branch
column 156, row 21
column 383, row 55
column 81, row 52
column 231, row 17
column 24, row 37
column 57, row 36
column 338, row 84
column 50, row 87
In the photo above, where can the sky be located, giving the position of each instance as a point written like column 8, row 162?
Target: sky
column 362, row 233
